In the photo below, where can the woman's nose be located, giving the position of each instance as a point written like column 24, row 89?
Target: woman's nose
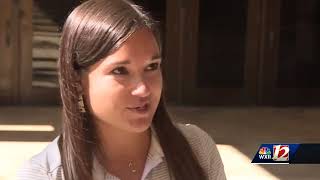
column 141, row 90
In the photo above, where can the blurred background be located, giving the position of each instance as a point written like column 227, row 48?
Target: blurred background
column 246, row 71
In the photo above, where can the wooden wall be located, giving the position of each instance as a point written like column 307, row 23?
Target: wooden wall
column 8, row 46
column 15, row 50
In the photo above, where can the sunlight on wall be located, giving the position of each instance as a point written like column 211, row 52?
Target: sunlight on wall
column 13, row 154
column 26, row 128
column 238, row 166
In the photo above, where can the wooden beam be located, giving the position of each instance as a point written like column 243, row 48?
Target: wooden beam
column 8, row 52
column 172, row 72
column 4, row 50
column 25, row 37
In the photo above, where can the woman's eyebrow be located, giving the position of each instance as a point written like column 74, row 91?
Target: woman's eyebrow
column 156, row 57
column 124, row 62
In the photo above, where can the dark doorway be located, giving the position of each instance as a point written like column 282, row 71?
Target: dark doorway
column 292, row 65
column 218, row 51
column 248, row 52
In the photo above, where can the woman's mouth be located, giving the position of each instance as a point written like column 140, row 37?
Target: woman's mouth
column 140, row 109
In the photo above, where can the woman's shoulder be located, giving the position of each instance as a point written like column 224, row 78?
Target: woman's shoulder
column 42, row 164
column 205, row 149
column 195, row 135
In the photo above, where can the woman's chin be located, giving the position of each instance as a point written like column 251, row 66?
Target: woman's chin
column 140, row 124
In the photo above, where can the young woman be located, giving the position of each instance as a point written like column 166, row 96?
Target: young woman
column 115, row 124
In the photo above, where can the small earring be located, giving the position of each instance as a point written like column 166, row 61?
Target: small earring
column 81, row 104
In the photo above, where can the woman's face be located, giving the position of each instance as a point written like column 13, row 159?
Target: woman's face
column 123, row 90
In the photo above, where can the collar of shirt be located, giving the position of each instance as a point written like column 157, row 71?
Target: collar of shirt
column 154, row 158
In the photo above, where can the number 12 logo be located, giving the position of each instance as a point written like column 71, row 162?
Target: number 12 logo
column 280, row 152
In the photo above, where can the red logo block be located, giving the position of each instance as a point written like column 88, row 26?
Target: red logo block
column 281, row 152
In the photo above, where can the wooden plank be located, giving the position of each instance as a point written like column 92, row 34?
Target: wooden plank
column 43, row 22
column 25, row 34
column 190, row 52
column 5, row 55
column 15, row 70
column 8, row 52
column 45, row 42
column 42, row 53
column 46, row 28
column 45, row 64
column 252, row 51
column 48, row 34
column 172, row 50
column 4, row 51
column 269, row 51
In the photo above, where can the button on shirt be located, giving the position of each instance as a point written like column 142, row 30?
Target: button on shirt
column 47, row 164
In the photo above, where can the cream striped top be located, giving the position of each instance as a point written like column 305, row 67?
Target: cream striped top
column 47, row 164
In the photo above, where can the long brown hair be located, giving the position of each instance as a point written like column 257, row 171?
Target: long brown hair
column 93, row 30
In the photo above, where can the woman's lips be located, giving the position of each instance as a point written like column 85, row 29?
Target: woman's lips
column 140, row 109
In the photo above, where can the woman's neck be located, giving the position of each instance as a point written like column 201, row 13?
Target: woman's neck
column 120, row 145
column 122, row 153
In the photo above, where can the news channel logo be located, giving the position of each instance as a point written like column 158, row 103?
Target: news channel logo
column 280, row 153
column 274, row 154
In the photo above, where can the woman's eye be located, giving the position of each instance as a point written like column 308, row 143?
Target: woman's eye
column 120, row 71
column 153, row 66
